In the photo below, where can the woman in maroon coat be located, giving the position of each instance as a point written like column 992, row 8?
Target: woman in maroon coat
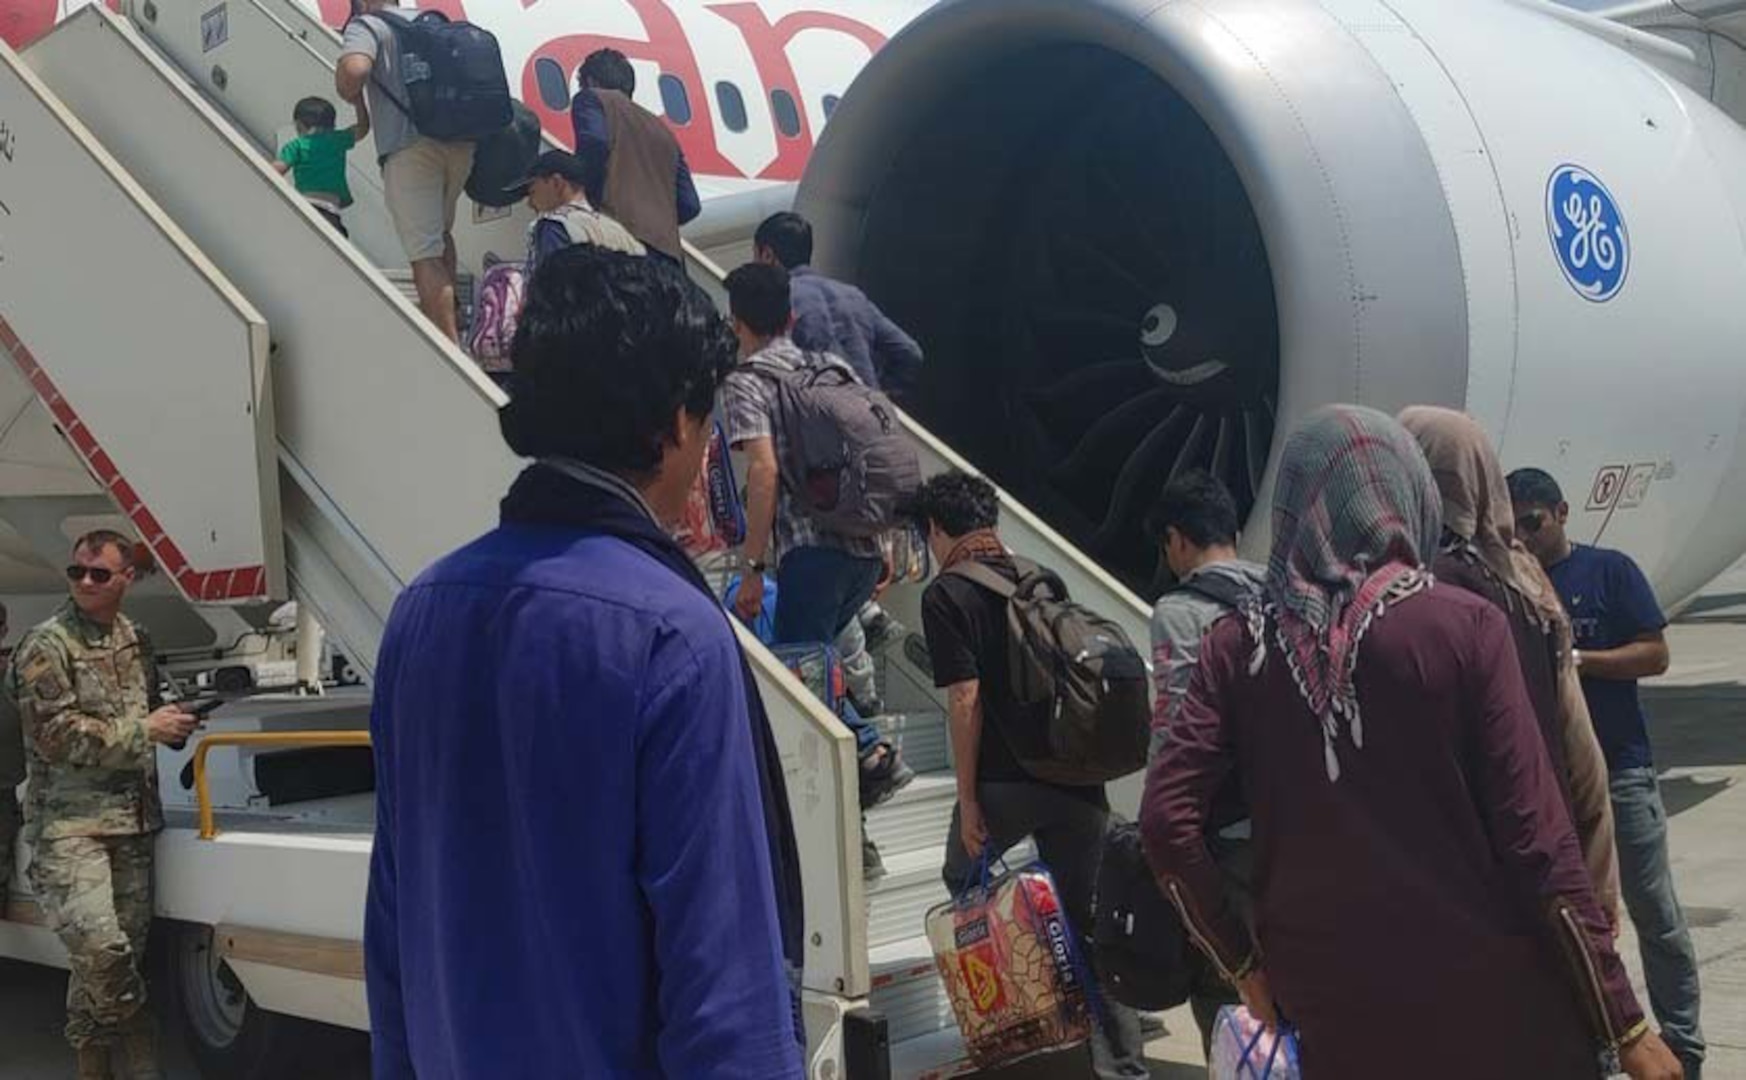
column 1421, row 903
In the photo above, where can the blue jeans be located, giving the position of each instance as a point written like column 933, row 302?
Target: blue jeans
column 818, row 591
column 1646, row 879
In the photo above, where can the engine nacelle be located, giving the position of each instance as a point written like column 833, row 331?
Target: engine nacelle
column 1139, row 237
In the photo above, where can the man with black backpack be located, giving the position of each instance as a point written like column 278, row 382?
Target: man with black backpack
column 827, row 466
column 985, row 617
column 435, row 88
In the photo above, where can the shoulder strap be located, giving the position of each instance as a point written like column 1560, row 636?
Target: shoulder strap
column 985, row 576
column 774, row 372
column 1219, row 589
column 376, row 66
column 991, row 579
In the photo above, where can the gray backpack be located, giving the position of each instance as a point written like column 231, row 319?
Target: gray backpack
column 1081, row 686
column 846, row 460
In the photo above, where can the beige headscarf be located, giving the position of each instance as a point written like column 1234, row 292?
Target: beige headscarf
column 1477, row 508
column 1478, row 513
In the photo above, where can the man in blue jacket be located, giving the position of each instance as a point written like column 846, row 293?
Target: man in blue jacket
column 584, row 863
column 834, row 317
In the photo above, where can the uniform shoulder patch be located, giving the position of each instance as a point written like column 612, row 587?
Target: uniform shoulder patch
column 41, row 675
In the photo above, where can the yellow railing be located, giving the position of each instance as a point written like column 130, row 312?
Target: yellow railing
column 203, row 798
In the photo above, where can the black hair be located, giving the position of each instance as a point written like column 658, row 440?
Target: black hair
column 315, row 113
column 758, row 296
column 957, row 502
column 788, row 235
column 1197, row 505
column 609, row 347
column 1534, row 487
column 608, row 69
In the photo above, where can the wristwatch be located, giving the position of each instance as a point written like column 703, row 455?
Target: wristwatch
column 757, row 566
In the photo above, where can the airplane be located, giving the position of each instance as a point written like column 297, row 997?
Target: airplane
column 746, row 87
column 1135, row 237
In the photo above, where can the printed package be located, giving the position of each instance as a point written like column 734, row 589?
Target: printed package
column 1011, row 968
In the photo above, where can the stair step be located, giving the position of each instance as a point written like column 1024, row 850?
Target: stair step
column 402, row 280
column 916, row 818
column 908, row 990
column 899, row 902
column 938, row 1055
column 921, row 736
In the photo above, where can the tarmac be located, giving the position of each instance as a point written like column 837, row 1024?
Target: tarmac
column 1698, row 722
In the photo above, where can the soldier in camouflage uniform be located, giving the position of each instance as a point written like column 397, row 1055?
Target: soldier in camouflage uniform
column 85, row 684
column 11, row 775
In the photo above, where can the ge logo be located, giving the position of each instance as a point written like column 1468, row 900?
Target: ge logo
column 1588, row 233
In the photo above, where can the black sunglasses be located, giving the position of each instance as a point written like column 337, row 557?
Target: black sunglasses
column 98, row 575
column 1532, row 523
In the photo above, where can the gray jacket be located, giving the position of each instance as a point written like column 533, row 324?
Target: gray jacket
column 1179, row 622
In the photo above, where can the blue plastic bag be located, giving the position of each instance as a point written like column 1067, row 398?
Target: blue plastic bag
column 764, row 626
column 1243, row 1049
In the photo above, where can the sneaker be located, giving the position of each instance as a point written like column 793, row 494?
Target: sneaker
column 883, row 775
column 873, row 706
column 872, row 865
column 882, row 630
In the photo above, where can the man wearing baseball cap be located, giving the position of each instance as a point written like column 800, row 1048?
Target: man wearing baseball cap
column 555, row 190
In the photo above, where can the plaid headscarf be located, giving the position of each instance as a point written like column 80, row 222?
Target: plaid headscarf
column 1477, row 512
column 1356, row 519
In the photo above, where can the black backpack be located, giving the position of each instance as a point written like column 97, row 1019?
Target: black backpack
column 1138, row 943
column 1080, row 685
column 846, row 460
column 456, row 90
column 501, row 161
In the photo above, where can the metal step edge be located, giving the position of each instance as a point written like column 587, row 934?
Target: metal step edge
column 937, row 1055
column 921, row 737
column 898, row 903
column 917, row 817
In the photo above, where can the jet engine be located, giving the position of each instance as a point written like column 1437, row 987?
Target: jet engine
column 1138, row 238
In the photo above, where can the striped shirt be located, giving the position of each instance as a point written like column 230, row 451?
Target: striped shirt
column 748, row 411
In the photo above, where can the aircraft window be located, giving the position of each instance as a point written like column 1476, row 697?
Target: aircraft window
column 831, row 101
column 732, row 105
column 787, row 113
column 675, row 100
column 554, row 88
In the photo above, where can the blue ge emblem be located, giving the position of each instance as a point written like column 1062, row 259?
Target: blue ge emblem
column 1588, row 233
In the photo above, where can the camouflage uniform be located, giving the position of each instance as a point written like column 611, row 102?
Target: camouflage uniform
column 84, row 692
column 11, row 775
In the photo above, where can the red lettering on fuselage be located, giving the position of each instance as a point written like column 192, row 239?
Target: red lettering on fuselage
column 667, row 47
column 769, row 48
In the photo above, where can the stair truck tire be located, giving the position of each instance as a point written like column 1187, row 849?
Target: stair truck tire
column 227, row 1034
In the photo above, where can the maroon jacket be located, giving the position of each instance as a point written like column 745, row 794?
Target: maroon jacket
column 1430, row 911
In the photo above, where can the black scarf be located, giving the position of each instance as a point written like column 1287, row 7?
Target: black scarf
column 577, row 496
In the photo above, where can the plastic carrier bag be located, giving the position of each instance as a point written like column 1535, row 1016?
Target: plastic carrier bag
column 1243, row 1049
column 817, row 667
column 714, row 520
column 1011, row 967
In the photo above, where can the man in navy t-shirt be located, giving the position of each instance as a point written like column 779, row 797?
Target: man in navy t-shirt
column 1619, row 639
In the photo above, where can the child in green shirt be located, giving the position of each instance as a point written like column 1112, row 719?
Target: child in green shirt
column 316, row 158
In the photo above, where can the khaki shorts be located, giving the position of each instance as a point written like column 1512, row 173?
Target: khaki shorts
column 423, row 185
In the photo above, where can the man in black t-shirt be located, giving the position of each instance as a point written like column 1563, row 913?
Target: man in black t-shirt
column 999, row 804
